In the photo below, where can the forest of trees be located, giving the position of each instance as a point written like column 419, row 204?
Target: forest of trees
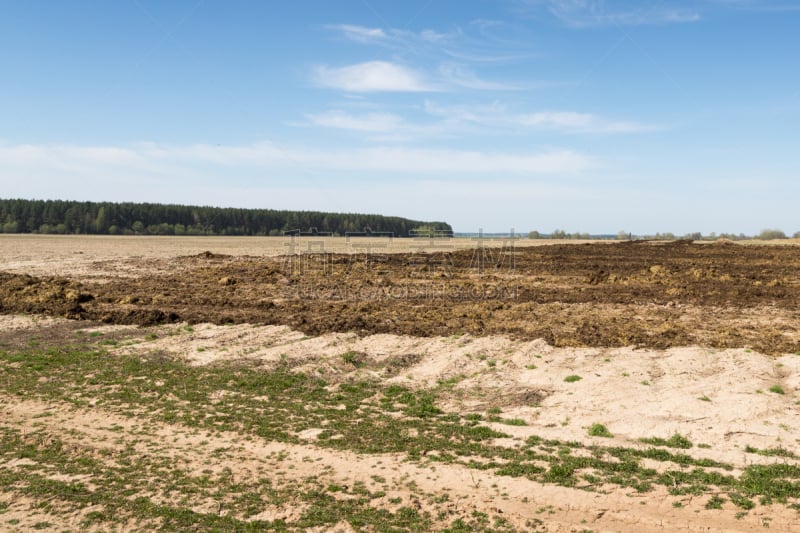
column 106, row 218
column 622, row 235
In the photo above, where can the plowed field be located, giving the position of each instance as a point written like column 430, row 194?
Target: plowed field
column 646, row 295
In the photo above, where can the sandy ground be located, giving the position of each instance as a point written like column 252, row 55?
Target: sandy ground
column 635, row 393
column 522, row 500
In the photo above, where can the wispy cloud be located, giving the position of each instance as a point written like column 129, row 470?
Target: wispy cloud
column 569, row 121
column 187, row 162
column 372, row 76
column 480, row 42
column 367, row 122
column 458, row 121
column 415, row 42
column 496, row 115
column 360, row 34
column 457, row 75
column 378, row 127
column 589, row 13
column 384, row 76
column 775, row 6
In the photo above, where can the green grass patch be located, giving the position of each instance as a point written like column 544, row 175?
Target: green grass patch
column 363, row 417
column 356, row 359
column 513, row 422
column 772, row 452
column 741, row 501
column 599, row 430
column 715, row 502
column 675, row 441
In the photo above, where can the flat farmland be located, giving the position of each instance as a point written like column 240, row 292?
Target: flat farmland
column 367, row 384
column 86, row 256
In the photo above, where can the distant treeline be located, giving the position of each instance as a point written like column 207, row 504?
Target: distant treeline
column 622, row 235
column 106, row 218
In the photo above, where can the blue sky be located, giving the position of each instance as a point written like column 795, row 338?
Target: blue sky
column 583, row 115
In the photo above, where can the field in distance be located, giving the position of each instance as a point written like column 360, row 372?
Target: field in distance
column 209, row 383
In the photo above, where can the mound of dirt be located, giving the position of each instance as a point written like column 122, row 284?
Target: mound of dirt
column 51, row 296
column 208, row 255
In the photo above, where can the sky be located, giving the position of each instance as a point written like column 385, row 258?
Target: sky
column 582, row 115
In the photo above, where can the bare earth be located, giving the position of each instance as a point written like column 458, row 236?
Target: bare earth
column 704, row 341
column 103, row 256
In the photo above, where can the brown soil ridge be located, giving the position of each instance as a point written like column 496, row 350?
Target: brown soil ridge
column 641, row 294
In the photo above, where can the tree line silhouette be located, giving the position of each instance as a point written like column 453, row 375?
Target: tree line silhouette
column 107, row 218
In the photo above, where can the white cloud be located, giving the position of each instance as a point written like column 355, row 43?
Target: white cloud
column 482, row 41
column 558, row 120
column 569, row 121
column 458, row 121
column 433, row 36
column 372, row 76
column 460, row 76
column 497, row 115
column 378, row 127
column 484, row 114
column 770, row 6
column 394, row 160
column 83, row 166
column 394, row 38
column 360, row 34
column 458, row 162
column 452, row 51
column 591, row 13
column 383, row 76
column 368, row 122
column 588, row 13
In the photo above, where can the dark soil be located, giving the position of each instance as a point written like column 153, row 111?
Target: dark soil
column 643, row 294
